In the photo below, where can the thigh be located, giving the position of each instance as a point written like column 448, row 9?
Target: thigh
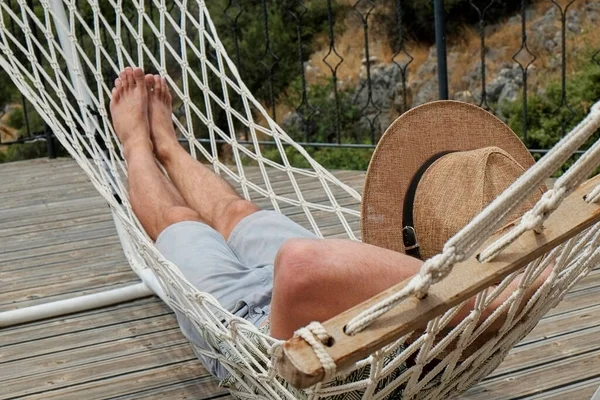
column 207, row 262
column 257, row 238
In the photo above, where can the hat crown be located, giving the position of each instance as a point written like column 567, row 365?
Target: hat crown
column 455, row 188
column 411, row 141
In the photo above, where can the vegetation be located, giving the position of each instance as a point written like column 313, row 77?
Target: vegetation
column 322, row 121
column 548, row 118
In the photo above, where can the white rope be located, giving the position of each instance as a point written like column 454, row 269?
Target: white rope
column 193, row 60
column 317, row 337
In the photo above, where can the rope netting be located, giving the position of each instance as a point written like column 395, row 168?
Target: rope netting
column 64, row 55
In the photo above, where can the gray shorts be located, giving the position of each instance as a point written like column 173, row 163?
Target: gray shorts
column 237, row 272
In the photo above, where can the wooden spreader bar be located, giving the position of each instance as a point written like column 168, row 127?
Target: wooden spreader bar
column 298, row 364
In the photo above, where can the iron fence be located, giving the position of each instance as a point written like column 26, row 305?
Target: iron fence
column 322, row 103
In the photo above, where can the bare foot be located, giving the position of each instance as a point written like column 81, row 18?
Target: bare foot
column 162, row 132
column 129, row 110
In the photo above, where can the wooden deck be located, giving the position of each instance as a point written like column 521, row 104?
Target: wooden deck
column 57, row 240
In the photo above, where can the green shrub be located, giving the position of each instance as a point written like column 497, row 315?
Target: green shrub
column 330, row 157
column 321, row 117
column 547, row 118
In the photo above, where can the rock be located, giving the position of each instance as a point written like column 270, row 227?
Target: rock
column 550, row 44
column 386, row 96
column 429, row 67
column 506, row 86
column 373, row 60
column 464, row 96
column 293, row 122
column 428, row 91
column 574, row 21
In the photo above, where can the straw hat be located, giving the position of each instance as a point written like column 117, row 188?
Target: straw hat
column 435, row 168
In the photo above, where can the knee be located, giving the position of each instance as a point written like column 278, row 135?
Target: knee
column 174, row 215
column 297, row 267
column 231, row 214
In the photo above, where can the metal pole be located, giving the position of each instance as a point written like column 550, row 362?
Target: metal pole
column 50, row 144
column 73, row 305
column 440, row 44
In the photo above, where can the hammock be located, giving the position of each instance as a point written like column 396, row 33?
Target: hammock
column 63, row 56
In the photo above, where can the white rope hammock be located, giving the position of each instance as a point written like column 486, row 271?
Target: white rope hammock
column 66, row 72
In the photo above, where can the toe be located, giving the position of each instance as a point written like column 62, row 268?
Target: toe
column 165, row 88
column 118, row 83
column 114, row 95
column 138, row 76
column 129, row 75
column 123, row 79
column 157, row 85
column 149, row 82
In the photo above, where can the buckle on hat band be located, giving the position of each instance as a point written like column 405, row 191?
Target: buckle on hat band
column 411, row 245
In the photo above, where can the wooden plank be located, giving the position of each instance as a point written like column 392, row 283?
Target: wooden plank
column 86, row 192
column 95, row 352
column 578, row 390
column 62, row 273
column 68, row 286
column 85, row 321
column 42, row 186
column 50, row 208
column 116, row 331
column 575, row 301
column 561, row 347
column 77, row 219
column 300, row 366
column 538, row 380
column 69, row 256
column 102, row 238
column 549, row 328
column 55, row 214
column 36, row 240
column 193, row 389
column 56, row 379
column 133, row 383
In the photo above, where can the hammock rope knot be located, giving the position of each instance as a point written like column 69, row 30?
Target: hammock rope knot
column 317, row 337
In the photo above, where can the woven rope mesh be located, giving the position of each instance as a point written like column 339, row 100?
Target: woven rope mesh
column 67, row 70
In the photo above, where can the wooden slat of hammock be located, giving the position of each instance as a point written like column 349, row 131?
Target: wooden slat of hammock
column 298, row 363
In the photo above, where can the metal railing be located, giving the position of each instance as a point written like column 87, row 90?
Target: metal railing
column 367, row 109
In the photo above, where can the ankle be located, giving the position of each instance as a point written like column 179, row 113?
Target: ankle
column 166, row 150
column 137, row 146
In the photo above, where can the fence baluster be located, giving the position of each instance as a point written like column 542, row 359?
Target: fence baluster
column 564, row 104
column 304, row 109
column 407, row 58
column 364, row 17
column 524, row 58
column 270, row 66
column 440, row 44
column 481, row 24
column 233, row 12
column 331, row 54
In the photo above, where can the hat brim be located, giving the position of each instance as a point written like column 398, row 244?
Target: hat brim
column 412, row 139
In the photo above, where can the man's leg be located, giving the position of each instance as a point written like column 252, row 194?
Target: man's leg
column 211, row 197
column 315, row 280
column 154, row 200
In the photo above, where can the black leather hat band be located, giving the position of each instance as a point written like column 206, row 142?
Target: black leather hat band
column 409, row 235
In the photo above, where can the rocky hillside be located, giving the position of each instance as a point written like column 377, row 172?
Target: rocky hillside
column 504, row 77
